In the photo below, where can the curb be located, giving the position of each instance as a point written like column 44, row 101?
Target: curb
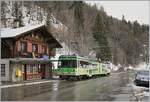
column 23, row 84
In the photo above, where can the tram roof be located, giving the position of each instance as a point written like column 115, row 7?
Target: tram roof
column 74, row 57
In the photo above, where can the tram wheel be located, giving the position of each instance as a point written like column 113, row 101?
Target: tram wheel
column 80, row 77
column 71, row 78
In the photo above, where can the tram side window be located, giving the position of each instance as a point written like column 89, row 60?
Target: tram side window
column 68, row 63
column 64, row 63
column 73, row 63
column 84, row 64
column 94, row 65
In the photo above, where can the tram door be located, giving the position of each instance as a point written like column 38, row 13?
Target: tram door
column 24, row 72
column 42, row 71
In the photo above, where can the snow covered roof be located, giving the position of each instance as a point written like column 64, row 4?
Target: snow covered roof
column 9, row 32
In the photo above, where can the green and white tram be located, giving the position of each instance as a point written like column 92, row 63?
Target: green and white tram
column 76, row 68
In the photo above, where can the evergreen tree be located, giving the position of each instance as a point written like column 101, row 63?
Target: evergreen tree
column 77, row 7
column 3, row 12
column 99, row 33
column 123, row 19
column 78, row 14
column 18, row 13
column 136, row 29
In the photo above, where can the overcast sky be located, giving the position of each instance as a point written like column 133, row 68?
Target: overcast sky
column 132, row 10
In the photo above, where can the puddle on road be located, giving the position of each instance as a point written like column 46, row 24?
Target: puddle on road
column 55, row 86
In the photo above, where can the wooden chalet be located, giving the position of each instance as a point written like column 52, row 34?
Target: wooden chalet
column 27, row 50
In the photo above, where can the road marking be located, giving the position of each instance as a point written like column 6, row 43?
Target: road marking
column 32, row 83
column 6, row 86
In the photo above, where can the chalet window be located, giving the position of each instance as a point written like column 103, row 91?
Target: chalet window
column 3, row 70
column 23, row 47
column 33, row 68
column 34, row 48
column 43, row 49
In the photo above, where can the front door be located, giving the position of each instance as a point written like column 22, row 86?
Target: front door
column 42, row 71
column 24, row 72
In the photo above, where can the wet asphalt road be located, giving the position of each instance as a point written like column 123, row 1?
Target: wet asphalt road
column 98, row 89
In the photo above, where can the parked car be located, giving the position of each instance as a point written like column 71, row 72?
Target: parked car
column 142, row 78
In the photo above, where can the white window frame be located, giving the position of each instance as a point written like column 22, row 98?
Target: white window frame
column 6, row 62
column 3, row 74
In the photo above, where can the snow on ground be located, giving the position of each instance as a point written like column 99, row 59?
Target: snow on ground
column 141, row 66
column 114, row 67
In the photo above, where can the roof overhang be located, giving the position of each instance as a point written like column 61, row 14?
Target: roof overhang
column 30, row 60
column 53, row 42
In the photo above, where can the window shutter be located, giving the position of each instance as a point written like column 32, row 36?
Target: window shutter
column 29, row 48
column 18, row 45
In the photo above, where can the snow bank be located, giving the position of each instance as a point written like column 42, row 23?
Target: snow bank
column 141, row 66
column 114, row 67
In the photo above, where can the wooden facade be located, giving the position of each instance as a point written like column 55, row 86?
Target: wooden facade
column 32, row 44
column 35, row 44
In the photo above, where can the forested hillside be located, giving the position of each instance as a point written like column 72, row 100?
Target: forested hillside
column 89, row 29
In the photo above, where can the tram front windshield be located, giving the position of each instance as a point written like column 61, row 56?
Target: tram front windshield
column 67, row 64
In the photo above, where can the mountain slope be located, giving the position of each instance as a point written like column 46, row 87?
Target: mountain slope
column 128, row 41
